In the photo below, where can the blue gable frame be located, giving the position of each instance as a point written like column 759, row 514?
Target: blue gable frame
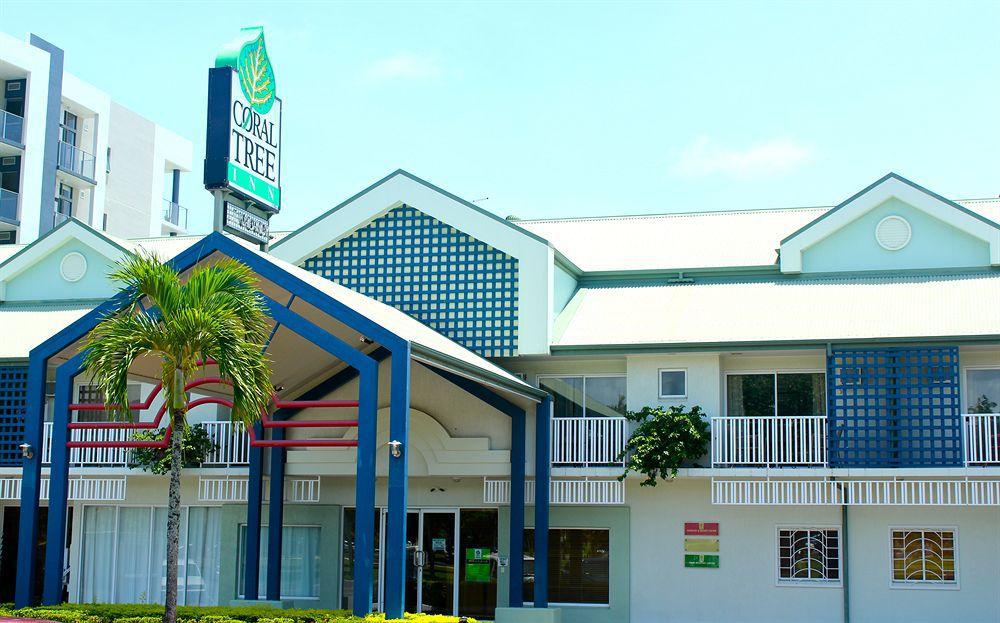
column 38, row 363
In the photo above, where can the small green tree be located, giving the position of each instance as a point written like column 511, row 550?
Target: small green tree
column 664, row 440
column 983, row 405
column 195, row 448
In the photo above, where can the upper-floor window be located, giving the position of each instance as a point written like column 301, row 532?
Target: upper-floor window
column 783, row 394
column 68, row 128
column 64, row 200
column 90, row 394
column 673, row 383
column 982, row 390
column 586, row 396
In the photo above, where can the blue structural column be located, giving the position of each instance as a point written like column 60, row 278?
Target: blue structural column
column 52, row 591
column 275, row 518
column 31, row 480
column 364, row 493
column 255, row 485
column 516, row 579
column 543, row 417
column 399, row 432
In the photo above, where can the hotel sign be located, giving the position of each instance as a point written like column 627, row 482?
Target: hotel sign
column 246, row 224
column 243, row 144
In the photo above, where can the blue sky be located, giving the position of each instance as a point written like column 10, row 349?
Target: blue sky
column 573, row 109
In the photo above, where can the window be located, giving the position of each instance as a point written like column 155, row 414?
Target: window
column 586, row 396
column 67, row 129
column 64, row 200
column 579, row 566
column 124, row 549
column 982, row 390
column 776, row 393
column 808, row 555
column 299, row 562
column 923, row 556
column 673, row 383
column 93, row 394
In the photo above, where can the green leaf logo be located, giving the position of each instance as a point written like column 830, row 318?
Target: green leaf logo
column 256, row 75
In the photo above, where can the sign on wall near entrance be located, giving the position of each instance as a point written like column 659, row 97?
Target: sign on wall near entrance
column 243, row 148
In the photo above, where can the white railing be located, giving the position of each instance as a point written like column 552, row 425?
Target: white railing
column 856, row 492
column 588, row 441
column 785, row 440
column 583, row 491
column 232, row 441
column 225, row 489
column 84, row 489
column 231, row 438
column 982, row 438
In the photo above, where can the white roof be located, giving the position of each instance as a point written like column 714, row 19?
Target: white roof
column 691, row 240
column 796, row 310
column 26, row 325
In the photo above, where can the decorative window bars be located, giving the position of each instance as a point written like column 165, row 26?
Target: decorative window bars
column 923, row 556
column 808, row 555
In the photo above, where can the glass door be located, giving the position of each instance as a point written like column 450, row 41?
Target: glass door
column 437, row 563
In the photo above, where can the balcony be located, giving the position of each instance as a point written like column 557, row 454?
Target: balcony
column 982, row 438
column 74, row 160
column 175, row 214
column 8, row 206
column 769, row 441
column 588, row 441
column 11, row 128
column 230, row 437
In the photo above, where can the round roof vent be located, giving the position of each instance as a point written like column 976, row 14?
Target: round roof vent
column 73, row 266
column 893, row 233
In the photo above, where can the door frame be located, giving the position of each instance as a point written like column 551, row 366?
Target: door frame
column 455, row 511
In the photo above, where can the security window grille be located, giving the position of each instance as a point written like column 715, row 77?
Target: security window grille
column 13, row 402
column 923, row 557
column 450, row 281
column 808, row 555
column 87, row 394
column 894, row 407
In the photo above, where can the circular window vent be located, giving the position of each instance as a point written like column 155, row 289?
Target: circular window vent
column 73, row 266
column 893, row 233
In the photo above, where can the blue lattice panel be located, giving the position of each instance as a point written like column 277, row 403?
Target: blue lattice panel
column 894, row 407
column 450, row 281
column 13, row 402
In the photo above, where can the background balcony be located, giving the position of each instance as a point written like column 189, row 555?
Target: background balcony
column 8, row 205
column 74, row 160
column 769, row 441
column 588, row 441
column 175, row 214
column 11, row 127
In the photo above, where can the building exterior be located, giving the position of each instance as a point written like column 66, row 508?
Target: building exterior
column 67, row 149
column 847, row 358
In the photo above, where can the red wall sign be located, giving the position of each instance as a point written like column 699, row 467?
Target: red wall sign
column 692, row 528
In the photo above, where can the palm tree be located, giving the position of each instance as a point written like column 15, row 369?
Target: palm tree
column 217, row 314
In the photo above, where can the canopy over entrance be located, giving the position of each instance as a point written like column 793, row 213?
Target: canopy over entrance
column 323, row 335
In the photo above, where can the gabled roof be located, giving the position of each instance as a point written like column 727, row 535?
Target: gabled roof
column 70, row 229
column 327, row 228
column 889, row 186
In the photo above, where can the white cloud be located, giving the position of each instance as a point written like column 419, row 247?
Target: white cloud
column 766, row 158
column 405, row 66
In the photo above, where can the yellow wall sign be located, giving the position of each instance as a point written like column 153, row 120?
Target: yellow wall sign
column 701, row 545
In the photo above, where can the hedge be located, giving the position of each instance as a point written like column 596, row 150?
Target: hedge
column 153, row 613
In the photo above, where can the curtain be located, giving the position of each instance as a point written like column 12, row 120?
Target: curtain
column 132, row 569
column 97, row 556
column 300, row 561
column 201, row 580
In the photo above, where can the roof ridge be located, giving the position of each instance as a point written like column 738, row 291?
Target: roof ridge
column 624, row 217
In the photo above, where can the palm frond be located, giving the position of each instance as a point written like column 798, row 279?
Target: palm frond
column 110, row 350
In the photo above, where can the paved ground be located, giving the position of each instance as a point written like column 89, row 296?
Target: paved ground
column 13, row 620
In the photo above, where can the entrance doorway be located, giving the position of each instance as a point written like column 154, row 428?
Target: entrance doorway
column 451, row 561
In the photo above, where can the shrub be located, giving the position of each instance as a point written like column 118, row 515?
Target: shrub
column 153, row 613
column 664, row 440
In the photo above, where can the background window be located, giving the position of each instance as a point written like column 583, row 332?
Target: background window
column 982, row 391
column 808, row 555
column 586, row 396
column 923, row 556
column 299, row 561
column 673, row 383
column 579, row 569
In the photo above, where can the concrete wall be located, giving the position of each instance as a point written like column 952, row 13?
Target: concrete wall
column 128, row 198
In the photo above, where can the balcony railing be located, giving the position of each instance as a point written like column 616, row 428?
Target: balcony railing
column 8, row 205
column 175, row 214
column 769, row 441
column 231, row 438
column 76, row 160
column 982, row 438
column 11, row 127
column 588, row 441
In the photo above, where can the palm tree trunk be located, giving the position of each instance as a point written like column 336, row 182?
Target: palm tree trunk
column 174, row 496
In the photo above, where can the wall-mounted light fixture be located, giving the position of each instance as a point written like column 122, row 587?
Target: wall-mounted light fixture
column 396, row 448
column 26, row 450
column 366, row 340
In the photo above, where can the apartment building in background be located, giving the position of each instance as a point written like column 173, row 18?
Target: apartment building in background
column 68, row 150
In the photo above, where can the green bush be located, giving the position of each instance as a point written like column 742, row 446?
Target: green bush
column 153, row 613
